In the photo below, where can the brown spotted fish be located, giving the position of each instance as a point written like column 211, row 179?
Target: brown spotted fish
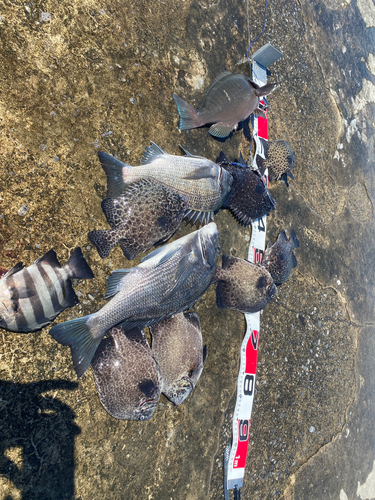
column 202, row 183
column 243, row 286
column 177, row 347
column 279, row 159
column 149, row 213
column 249, row 198
column 279, row 259
column 127, row 378
column 230, row 99
column 31, row 297
column 169, row 280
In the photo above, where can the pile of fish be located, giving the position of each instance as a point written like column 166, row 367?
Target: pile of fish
column 144, row 207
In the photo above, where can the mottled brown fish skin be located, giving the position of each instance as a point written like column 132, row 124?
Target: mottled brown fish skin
column 279, row 259
column 249, row 198
column 147, row 214
column 279, row 159
column 177, row 347
column 243, row 286
column 127, row 378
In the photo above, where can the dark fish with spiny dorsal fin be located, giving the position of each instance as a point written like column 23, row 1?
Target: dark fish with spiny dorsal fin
column 279, row 259
column 249, row 198
column 167, row 281
column 243, row 286
column 32, row 297
column 127, row 378
column 279, row 159
column 177, row 347
column 201, row 182
column 148, row 213
column 230, row 99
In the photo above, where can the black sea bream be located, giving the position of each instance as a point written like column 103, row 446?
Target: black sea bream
column 169, row 280
column 32, row 297
column 229, row 100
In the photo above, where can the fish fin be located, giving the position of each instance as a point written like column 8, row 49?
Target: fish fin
column 115, row 281
column 265, row 90
column 113, row 169
column 220, row 130
column 214, row 82
column 104, row 240
column 150, row 153
column 203, row 217
column 22, row 292
column 78, row 265
column 206, row 172
column 221, row 302
column 78, row 336
column 283, row 236
column 222, row 158
column 167, row 254
column 189, row 117
column 185, row 267
column 15, row 269
column 259, row 112
column 193, row 318
column 294, row 238
column 49, row 258
column 128, row 249
column 70, row 298
column 242, row 161
column 205, row 354
column 227, row 261
column 186, row 153
column 294, row 261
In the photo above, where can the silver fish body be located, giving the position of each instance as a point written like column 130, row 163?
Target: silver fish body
column 243, row 285
column 32, row 297
column 202, row 183
column 169, row 280
column 127, row 378
column 230, row 99
column 177, row 347
column 279, row 259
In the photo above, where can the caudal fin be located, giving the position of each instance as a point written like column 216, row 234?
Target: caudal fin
column 104, row 240
column 189, row 117
column 78, row 266
column 113, row 169
column 77, row 335
column 293, row 237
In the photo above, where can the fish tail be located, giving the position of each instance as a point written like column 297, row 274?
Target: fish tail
column 189, row 117
column 78, row 266
column 115, row 172
column 104, row 240
column 223, row 295
column 293, row 237
column 79, row 337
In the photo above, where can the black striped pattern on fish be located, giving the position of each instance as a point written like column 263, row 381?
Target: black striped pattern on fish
column 38, row 293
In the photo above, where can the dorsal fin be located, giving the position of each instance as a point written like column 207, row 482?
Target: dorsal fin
column 150, row 153
column 49, row 258
column 14, row 270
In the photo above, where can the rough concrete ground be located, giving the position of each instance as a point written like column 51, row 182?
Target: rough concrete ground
column 87, row 76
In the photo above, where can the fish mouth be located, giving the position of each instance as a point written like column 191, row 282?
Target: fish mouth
column 181, row 392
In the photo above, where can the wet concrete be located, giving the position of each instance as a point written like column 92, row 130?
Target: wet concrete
column 81, row 77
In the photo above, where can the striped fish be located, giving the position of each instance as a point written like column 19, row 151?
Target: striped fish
column 32, row 297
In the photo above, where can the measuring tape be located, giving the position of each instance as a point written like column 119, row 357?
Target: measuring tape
column 235, row 453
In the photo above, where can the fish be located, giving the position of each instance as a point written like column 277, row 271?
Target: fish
column 203, row 183
column 243, row 285
column 230, row 99
column 279, row 159
column 148, row 214
column 177, row 347
column 167, row 281
column 249, row 198
column 31, row 297
column 279, row 259
column 127, row 378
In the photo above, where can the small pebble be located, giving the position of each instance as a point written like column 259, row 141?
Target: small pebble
column 23, row 210
column 312, row 429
